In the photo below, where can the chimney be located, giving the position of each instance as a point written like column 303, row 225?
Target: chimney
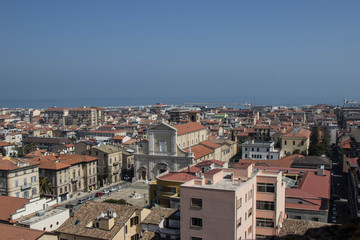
column 320, row 170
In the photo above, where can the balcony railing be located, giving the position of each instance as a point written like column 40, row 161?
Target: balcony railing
column 26, row 186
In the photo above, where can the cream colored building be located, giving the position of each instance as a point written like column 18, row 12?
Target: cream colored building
column 297, row 141
column 68, row 174
column 99, row 220
column 19, row 178
column 109, row 162
column 190, row 134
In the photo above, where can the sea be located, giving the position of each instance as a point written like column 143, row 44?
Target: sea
column 236, row 102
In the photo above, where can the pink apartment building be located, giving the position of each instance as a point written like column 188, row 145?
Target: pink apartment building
column 238, row 203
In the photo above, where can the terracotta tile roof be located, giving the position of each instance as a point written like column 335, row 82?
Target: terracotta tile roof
column 9, row 205
column 7, row 163
column 37, row 153
column 89, row 212
column 346, row 144
column 178, row 177
column 188, row 127
column 5, row 144
column 10, row 232
column 157, row 214
column 56, row 162
column 303, row 133
column 118, row 137
column 193, row 169
column 209, row 144
column 209, row 162
column 200, row 151
column 354, row 162
column 242, row 165
column 213, row 171
column 283, row 162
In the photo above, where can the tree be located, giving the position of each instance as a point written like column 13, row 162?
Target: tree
column 2, row 151
column 45, row 186
column 118, row 201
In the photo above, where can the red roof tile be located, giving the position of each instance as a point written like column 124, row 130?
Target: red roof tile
column 200, row 151
column 178, row 177
column 9, row 205
column 188, row 127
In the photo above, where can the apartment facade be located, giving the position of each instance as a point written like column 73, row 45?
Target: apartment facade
column 260, row 151
column 243, row 203
column 19, row 178
column 68, row 174
column 190, row 134
column 109, row 162
column 296, row 141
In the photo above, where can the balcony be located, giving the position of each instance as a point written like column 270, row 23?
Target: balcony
column 115, row 163
column 74, row 180
column 26, row 186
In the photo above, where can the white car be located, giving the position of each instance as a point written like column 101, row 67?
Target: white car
column 112, row 189
column 105, row 191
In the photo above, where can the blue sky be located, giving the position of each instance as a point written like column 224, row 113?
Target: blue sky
column 292, row 51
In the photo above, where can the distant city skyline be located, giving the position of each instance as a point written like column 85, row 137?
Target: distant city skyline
column 114, row 53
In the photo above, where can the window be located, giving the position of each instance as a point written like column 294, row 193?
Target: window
column 246, row 149
column 196, row 222
column 238, row 222
column 297, row 217
column 135, row 237
column 285, row 142
column 25, row 181
column 17, row 194
column 302, row 143
column 246, row 156
column 250, row 212
column 266, row 187
column 239, row 203
column 265, row 222
column 265, row 205
column 60, row 180
column 250, row 230
column 34, row 191
column 196, row 202
column 258, row 149
column 60, row 190
column 252, row 149
column 134, row 221
column 315, row 219
column 294, row 143
column 16, row 183
column 245, row 216
column 196, row 238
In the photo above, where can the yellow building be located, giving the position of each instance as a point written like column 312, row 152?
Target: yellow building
column 165, row 190
column 297, row 141
column 99, row 220
column 19, row 178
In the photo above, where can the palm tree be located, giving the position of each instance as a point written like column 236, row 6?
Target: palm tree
column 45, row 186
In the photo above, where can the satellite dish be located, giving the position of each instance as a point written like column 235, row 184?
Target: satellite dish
column 114, row 215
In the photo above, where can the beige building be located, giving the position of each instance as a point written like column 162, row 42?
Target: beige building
column 297, row 141
column 68, row 174
column 190, row 134
column 19, row 178
column 109, row 163
column 95, row 220
column 244, row 203
column 74, row 116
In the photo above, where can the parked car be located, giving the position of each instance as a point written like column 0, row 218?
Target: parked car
column 112, row 189
column 89, row 198
column 105, row 191
column 98, row 194
column 81, row 201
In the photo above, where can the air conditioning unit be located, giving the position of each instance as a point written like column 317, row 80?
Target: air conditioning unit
column 40, row 213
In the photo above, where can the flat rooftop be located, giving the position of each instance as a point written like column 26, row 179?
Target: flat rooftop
column 48, row 214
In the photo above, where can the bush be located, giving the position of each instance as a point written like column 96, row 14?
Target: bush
column 118, row 201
